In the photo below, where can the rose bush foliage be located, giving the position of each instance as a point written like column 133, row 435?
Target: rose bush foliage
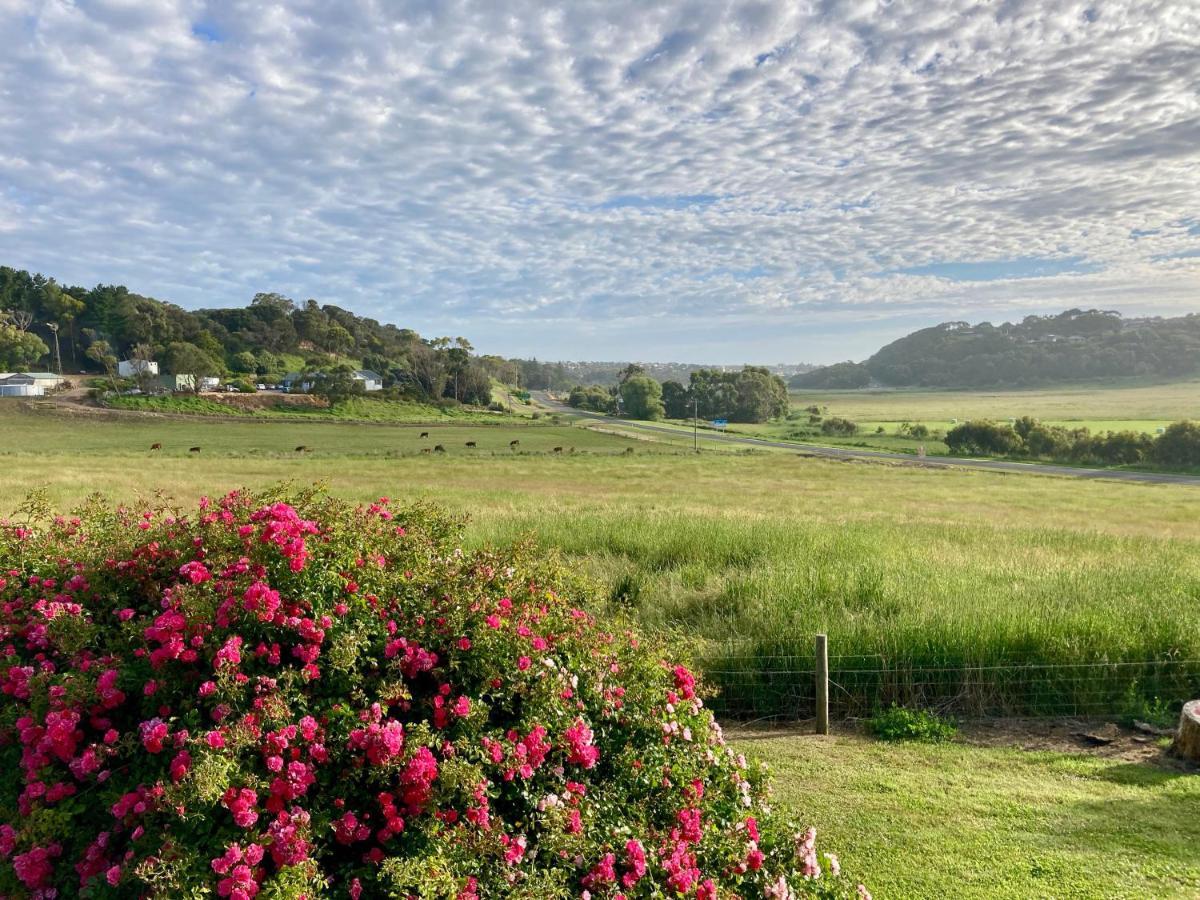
column 284, row 696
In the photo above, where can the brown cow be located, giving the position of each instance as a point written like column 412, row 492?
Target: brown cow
column 558, row 449
column 438, row 448
column 424, row 434
column 193, row 450
column 156, row 446
column 471, row 444
column 513, row 445
column 302, row 449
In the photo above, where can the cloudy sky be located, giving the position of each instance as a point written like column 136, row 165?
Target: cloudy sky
column 701, row 181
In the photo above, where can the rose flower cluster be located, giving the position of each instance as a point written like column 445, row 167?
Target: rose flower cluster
column 285, row 696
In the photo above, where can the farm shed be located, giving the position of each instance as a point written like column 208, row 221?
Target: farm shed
column 19, row 385
column 131, row 368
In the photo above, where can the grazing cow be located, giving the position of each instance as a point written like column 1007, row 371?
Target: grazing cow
column 424, row 434
column 629, row 451
column 302, row 449
column 471, row 444
column 156, row 446
column 558, row 449
column 193, row 450
column 425, row 450
column 438, row 448
column 513, row 445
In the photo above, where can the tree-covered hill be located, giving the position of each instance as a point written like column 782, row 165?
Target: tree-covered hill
column 1071, row 347
column 270, row 337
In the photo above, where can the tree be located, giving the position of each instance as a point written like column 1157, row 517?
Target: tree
column 101, row 353
column 19, row 349
column 677, row 402
column 642, row 397
column 184, row 358
column 630, row 371
column 142, row 355
column 1178, row 445
column 474, row 385
column 428, row 362
column 337, row 384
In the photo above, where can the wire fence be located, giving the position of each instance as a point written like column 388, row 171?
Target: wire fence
column 757, row 686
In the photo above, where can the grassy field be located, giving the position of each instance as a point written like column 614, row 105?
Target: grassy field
column 1000, row 823
column 908, row 571
column 1142, row 403
column 880, row 414
column 921, row 567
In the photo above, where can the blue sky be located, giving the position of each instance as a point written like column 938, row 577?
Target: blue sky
column 705, row 181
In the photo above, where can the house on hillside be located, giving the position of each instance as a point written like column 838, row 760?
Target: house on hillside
column 17, row 384
column 132, row 368
column 371, row 381
column 295, row 383
column 209, row 383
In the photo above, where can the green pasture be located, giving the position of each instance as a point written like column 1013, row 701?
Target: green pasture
column 1157, row 403
column 40, row 432
column 745, row 555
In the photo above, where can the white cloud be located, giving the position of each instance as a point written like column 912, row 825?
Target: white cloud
column 454, row 166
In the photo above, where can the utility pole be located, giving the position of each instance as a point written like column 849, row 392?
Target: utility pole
column 695, row 424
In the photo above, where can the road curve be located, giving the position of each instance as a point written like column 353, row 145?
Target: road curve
column 995, row 465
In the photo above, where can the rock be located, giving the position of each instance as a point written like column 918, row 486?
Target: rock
column 1187, row 740
column 1099, row 737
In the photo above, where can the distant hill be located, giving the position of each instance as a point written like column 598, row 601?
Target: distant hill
column 1071, row 347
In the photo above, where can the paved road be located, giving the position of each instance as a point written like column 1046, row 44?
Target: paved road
column 907, row 458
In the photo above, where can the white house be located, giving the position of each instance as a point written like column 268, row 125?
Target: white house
column 371, row 381
column 132, row 368
column 209, row 383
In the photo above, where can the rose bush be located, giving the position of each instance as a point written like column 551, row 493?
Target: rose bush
column 285, row 696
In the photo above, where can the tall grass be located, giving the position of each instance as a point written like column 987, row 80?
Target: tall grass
column 985, row 620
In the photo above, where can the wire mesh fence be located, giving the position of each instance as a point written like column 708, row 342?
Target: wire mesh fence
column 754, row 685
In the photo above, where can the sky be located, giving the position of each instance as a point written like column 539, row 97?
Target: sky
column 698, row 181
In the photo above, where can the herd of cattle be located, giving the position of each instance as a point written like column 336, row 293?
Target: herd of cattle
column 513, row 445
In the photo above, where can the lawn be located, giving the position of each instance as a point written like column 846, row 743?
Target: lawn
column 955, row 820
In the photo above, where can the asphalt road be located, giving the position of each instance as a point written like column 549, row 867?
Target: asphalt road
column 995, row 465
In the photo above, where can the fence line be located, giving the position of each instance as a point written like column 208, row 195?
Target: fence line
column 787, row 686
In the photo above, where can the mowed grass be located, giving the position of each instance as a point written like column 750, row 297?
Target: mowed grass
column 953, row 820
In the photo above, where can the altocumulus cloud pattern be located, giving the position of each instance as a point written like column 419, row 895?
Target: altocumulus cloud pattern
column 577, row 177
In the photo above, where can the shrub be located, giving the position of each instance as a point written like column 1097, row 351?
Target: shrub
column 983, row 438
column 840, row 426
column 1178, row 445
column 900, row 724
column 287, row 696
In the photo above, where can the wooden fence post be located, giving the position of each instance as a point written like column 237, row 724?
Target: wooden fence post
column 822, row 684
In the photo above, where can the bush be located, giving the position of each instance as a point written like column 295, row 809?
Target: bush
column 983, row 438
column 287, row 696
column 1178, row 445
column 838, row 426
column 900, row 724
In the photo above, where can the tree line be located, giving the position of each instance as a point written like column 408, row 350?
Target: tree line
column 88, row 330
column 1027, row 438
column 750, row 395
column 1071, row 347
